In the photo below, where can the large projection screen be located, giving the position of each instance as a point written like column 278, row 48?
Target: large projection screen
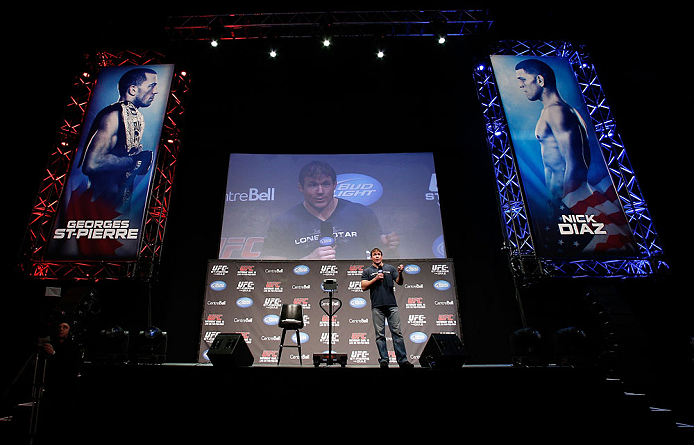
column 573, row 205
column 392, row 195
column 102, row 208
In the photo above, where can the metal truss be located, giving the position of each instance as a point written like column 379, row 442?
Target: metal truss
column 31, row 259
column 524, row 261
column 338, row 24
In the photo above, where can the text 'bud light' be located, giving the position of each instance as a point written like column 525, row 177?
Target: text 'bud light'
column 358, row 188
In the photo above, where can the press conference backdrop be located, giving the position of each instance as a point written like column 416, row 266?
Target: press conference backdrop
column 246, row 297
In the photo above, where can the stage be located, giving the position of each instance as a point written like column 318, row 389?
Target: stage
column 498, row 270
column 154, row 403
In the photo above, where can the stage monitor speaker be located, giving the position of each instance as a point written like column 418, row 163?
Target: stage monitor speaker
column 230, row 350
column 443, row 351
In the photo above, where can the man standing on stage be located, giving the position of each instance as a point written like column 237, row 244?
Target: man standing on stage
column 380, row 280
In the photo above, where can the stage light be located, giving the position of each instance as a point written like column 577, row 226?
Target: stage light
column 571, row 347
column 114, row 332
column 326, row 42
column 216, row 28
column 111, row 346
column 273, row 53
column 153, row 333
column 380, row 54
column 527, row 348
column 151, row 346
column 442, row 40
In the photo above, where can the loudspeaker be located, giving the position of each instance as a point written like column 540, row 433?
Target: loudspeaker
column 230, row 350
column 443, row 351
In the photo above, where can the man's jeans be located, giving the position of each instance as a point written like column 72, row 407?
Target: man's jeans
column 380, row 315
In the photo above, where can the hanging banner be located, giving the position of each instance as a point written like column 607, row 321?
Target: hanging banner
column 246, row 297
column 573, row 205
column 102, row 207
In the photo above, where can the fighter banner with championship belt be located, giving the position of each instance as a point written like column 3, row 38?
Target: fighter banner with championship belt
column 246, row 297
column 102, row 207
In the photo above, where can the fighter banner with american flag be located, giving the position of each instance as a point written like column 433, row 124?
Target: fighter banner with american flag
column 573, row 205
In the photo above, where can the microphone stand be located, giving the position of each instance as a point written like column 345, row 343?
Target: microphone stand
column 330, row 286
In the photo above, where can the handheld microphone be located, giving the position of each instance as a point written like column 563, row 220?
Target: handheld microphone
column 327, row 237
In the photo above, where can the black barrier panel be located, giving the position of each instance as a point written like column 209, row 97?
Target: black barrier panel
column 246, row 297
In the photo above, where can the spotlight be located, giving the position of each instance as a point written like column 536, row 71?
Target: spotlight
column 380, row 54
column 326, row 42
column 442, row 40
column 111, row 346
column 151, row 346
column 571, row 347
column 153, row 333
column 527, row 348
column 216, row 29
column 273, row 53
column 114, row 332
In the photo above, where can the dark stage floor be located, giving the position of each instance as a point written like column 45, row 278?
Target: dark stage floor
column 201, row 403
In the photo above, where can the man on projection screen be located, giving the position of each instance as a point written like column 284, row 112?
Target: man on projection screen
column 324, row 227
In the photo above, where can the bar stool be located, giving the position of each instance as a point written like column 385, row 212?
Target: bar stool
column 291, row 318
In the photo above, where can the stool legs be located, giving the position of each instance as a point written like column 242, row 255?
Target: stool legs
column 279, row 356
column 298, row 346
